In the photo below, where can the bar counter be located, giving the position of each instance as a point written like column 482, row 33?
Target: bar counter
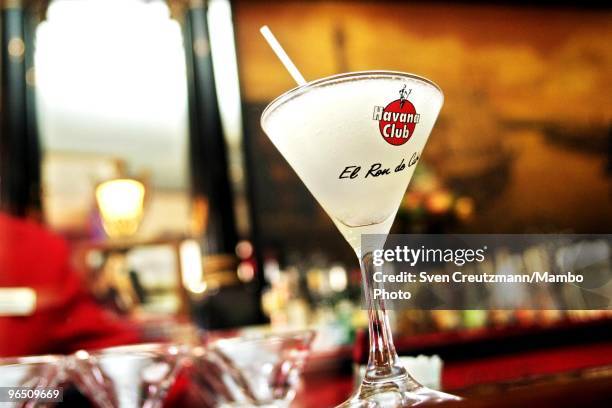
column 561, row 365
column 590, row 387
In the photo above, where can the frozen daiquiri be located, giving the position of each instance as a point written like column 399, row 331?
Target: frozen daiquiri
column 354, row 140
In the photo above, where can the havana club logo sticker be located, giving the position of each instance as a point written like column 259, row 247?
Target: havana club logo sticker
column 397, row 120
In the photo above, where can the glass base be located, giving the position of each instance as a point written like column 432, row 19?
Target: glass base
column 400, row 391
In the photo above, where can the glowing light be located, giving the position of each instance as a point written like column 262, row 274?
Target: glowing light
column 464, row 208
column 16, row 48
column 121, row 204
column 245, row 272
column 191, row 267
column 244, row 249
column 338, row 279
column 272, row 271
column 439, row 202
column 17, row 301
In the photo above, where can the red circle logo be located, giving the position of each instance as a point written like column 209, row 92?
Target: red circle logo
column 397, row 122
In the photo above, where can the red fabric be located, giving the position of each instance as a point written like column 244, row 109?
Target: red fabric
column 66, row 317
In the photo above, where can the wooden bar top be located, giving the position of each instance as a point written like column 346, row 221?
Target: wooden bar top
column 585, row 387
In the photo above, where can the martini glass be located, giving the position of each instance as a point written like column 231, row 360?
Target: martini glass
column 128, row 376
column 354, row 140
column 259, row 370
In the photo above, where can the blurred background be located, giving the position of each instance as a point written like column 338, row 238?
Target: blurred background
column 130, row 130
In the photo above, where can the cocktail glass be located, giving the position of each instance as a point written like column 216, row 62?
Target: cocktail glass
column 32, row 372
column 252, row 370
column 127, row 376
column 354, row 140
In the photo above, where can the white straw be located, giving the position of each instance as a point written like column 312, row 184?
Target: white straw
column 282, row 55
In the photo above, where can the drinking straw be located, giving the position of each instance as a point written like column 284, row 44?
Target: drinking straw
column 282, row 55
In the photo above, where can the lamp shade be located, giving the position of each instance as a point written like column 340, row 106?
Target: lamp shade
column 121, row 204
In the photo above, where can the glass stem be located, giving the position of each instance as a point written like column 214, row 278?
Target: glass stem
column 383, row 362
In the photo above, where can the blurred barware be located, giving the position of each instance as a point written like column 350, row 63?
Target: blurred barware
column 127, row 376
column 32, row 372
column 254, row 370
